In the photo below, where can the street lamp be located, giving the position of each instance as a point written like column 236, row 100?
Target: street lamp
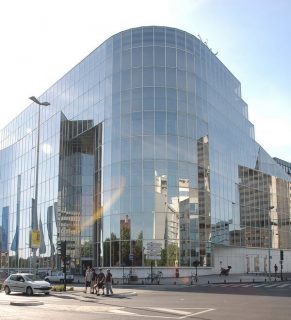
column 34, row 222
column 270, row 242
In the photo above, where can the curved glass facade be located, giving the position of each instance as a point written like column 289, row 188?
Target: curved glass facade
column 146, row 153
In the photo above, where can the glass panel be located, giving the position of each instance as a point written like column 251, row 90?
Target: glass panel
column 160, row 76
column 137, row 78
column 137, row 99
column 148, row 123
column 148, row 36
column 137, row 37
column 126, row 40
column 160, row 123
column 171, row 77
column 148, row 77
column 136, row 123
column 160, row 98
column 148, row 56
column 171, row 57
column 170, row 37
column 160, row 56
column 148, row 98
column 159, row 36
column 136, row 57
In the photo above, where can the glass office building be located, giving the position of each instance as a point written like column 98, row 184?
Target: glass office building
column 146, row 153
column 284, row 164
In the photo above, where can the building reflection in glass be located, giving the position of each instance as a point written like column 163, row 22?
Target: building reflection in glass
column 147, row 140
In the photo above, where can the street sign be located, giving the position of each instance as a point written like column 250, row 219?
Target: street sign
column 154, row 245
column 153, row 257
column 154, row 250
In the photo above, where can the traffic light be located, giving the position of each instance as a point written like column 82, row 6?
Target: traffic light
column 61, row 248
column 281, row 255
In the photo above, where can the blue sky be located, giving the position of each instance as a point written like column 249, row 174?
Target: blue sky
column 43, row 39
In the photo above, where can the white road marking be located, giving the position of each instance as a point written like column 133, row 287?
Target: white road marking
column 246, row 285
column 173, row 311
column 179, row 311
column 284, row 285
column 197, row 313
column 271, row 285
column 175, row 314
column 260, row 285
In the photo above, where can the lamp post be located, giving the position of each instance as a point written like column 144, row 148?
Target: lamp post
column 270, row 242
column 34, row 222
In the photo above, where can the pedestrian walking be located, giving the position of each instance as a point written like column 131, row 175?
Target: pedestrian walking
column 88, row 278
column 93, row 281
column 100, row 282
column 108, row 282
column 276, row 269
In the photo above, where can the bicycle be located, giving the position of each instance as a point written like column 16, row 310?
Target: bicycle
column 154, row 277
column 194, row 278
column 125, row 278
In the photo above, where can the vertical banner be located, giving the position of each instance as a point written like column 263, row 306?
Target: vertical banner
column 34, row 224
column 42, row 247
column 5, row 217
column 15, row 242
column 49, row 220
column 35, row 239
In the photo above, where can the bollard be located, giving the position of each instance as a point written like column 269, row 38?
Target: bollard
column 265, row 280
column 208, row 282
column 174, row 282
column 224, row 281
column 253, row 280
column 240, row 280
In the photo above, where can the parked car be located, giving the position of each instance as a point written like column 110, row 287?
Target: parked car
column 59, row 276
column 26, row 283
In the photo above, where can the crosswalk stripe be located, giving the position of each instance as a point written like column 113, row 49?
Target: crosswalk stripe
column 260, row 285
column 271, row 285
column 284, row 285
column 246, row 285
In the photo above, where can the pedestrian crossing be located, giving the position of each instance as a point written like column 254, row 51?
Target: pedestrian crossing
column 268, row 285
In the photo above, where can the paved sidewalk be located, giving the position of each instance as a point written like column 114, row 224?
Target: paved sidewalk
column 126, row 290
column 79, row 289
column 231, row 278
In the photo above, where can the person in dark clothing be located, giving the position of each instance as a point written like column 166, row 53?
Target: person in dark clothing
column 93, row 281
column 276, row 269
column 100, row 282
column 108, row 282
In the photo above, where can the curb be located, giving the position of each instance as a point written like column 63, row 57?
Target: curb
column 84, row 295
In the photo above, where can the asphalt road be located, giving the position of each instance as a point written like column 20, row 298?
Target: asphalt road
column 213, row 302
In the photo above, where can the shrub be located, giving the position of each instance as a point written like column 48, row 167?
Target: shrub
column 60, row 288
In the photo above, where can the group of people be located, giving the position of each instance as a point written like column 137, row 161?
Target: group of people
column 96, row 281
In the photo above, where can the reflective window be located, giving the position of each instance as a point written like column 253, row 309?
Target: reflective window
column 149, row 137
column 171, row 57
column 160, row 57
column 148, row 56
